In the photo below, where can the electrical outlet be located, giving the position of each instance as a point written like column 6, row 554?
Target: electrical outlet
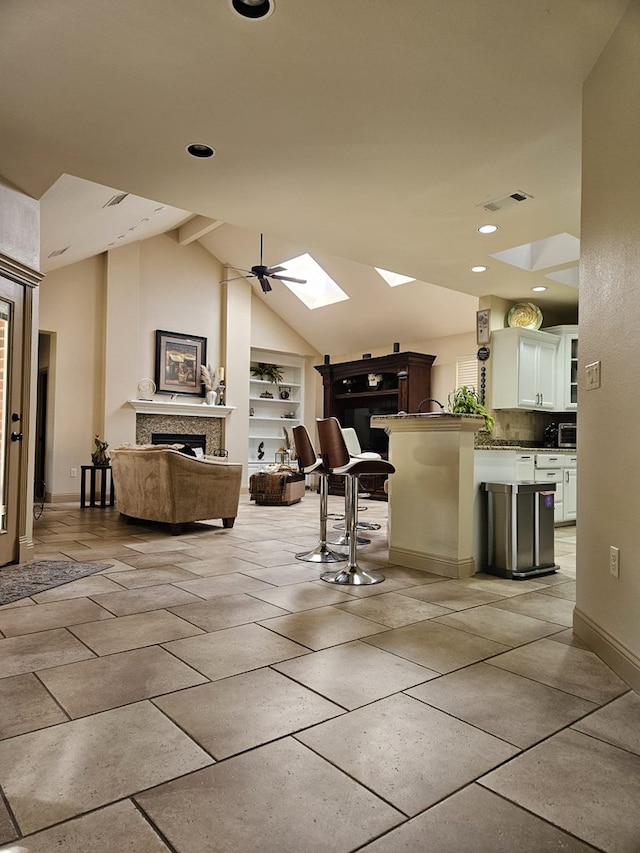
column 73, row 472
column 614, row 561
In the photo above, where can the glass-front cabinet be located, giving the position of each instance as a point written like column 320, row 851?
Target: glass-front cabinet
column 567, row 367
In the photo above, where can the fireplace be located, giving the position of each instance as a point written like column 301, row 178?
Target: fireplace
column 194, row 441
column 202, row 432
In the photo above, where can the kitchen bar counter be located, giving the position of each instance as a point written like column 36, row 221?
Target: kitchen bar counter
column 431, row 494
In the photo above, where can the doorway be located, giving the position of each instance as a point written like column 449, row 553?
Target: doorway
column 11, row 428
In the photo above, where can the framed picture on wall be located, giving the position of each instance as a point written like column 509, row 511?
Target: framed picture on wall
column 483, row 332
column 178, row 360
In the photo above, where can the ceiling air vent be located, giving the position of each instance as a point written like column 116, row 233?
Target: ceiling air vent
column 506, row 201
column 116, row 199
column 57, row 252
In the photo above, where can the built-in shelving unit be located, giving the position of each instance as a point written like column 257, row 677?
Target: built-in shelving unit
column 269, row 416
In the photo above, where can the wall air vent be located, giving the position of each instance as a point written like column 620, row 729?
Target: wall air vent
column 116, row 199
column 58, row 252
column 506, row 201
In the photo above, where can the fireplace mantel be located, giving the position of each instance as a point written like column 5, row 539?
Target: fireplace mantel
column 179, row 409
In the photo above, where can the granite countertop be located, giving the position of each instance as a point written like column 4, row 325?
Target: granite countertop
column 522, row 448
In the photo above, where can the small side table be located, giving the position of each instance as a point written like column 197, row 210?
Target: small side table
column 106, row 481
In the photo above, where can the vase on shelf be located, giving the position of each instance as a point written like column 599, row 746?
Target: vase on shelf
column 210, row 398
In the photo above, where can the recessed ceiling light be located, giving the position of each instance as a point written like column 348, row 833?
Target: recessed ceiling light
column 479, row 268
column 488, row 229
column 539, row 288
column 200, row 150
column 253, row 10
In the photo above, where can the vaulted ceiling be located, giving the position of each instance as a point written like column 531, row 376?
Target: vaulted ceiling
column 369, row 134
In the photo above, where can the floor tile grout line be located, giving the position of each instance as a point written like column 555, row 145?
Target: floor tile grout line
column 154, row 827
column 521, row 749
column 356, row 780
column 539, row 817
column 4, row 801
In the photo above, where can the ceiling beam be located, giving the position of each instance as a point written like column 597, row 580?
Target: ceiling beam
column 195, row 228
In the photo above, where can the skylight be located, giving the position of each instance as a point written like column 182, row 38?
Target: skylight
column 320, row 289
column 542, row 254
column 393, row 279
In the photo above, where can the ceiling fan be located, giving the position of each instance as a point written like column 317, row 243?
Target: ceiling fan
column 263, row 274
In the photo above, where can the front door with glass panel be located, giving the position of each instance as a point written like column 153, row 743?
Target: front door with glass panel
column 11, row 429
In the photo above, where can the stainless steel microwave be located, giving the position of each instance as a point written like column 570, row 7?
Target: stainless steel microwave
column 567, row 435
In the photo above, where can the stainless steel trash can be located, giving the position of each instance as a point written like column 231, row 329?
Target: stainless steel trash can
column 520, row 529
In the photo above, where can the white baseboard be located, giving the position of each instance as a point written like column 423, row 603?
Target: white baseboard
column 71, row 497
column 615, row 654
column 434, row 563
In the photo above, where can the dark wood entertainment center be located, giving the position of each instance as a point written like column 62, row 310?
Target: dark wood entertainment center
column 352, row 397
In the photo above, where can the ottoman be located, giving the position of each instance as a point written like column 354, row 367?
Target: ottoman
column 280, row 489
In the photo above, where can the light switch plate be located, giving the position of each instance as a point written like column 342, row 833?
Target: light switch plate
column 593, row 375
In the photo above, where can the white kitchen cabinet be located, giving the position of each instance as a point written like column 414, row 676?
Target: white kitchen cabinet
column 273, row 407
column 560, row 468
column 503, row 466
column 570, row 488
column 524, row 369
column 567, row 367
column 553, row 475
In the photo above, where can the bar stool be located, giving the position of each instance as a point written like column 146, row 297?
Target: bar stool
column 337, row 460
column 355, row 449
column 310, row 463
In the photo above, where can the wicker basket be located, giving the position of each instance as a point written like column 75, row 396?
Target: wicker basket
column 279, row 489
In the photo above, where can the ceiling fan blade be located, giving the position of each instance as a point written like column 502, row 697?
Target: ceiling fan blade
column 264, row 283
column 289, row 278
column 247, row 274
column 271, row 270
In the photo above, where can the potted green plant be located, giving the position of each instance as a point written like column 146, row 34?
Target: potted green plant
column 270, row 372
column 465, row 401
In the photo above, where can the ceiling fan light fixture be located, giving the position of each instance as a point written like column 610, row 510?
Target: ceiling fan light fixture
column 253, row 10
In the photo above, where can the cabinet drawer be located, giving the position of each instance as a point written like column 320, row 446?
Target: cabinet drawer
column 556, row 477
column 550, row 460
column 548, row 475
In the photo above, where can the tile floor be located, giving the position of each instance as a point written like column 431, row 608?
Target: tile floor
column 208, row 692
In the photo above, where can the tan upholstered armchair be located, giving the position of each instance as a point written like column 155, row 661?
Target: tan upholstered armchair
column 158, row 483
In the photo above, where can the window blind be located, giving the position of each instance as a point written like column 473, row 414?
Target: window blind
column 467, row 371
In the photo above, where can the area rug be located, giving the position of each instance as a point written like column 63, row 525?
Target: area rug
column 26, row 579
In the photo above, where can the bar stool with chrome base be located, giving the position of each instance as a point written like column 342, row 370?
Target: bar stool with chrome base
column 355, row 449
column 337, row 460
column 310, row 463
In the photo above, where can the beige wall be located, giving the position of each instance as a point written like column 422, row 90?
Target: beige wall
column 71, row 303
column 607, row 610
column 102, row 314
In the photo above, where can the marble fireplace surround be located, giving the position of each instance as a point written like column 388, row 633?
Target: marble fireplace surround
column 153, row 416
